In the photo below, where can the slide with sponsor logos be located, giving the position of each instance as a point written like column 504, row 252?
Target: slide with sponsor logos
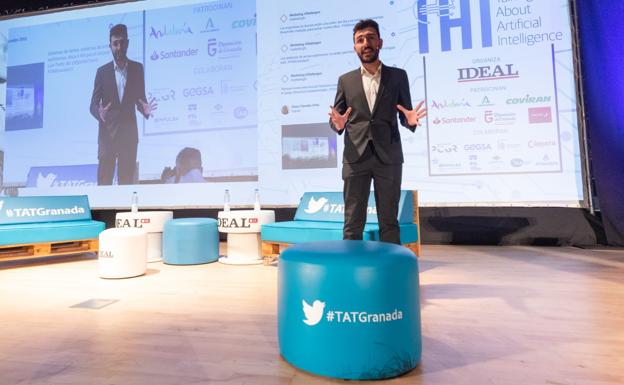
column 199, row 65
column 496, row 77
column 243, row 91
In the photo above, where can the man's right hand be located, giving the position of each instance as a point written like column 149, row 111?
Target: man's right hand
column 339, row 121
column 103, row 110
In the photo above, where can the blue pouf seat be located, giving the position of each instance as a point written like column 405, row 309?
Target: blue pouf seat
column 349, row 309
column 190, row 241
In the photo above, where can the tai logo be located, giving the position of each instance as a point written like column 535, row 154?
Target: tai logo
column 451, row 16
column 313, row 313
column 314, row 206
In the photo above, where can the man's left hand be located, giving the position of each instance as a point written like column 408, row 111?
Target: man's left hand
column 413, row 116
column 148, row 108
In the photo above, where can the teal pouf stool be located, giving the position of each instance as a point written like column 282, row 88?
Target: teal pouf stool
column 190, row 241
column 349, row 309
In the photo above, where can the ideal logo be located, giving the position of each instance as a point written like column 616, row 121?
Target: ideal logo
column 136, row 222
column 474, row 74
column 240, row 223
column 314, row 206
column 449, row 17
column 105, row 254
column 313, row 313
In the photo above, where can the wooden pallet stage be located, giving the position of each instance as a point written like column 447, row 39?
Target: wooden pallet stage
column 272, row 250
column 47, row 249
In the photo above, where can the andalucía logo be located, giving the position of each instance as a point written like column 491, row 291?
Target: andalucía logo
column 314, row 314
column 170, row 31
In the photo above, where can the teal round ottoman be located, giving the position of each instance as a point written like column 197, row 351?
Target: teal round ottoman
column 349, row 309
column 190, row 241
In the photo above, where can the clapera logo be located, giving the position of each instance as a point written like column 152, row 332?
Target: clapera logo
column 313, row 313
column 314, row 206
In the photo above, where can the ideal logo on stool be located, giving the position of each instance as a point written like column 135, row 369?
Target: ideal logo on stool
column 106, row 254
column 132, row 222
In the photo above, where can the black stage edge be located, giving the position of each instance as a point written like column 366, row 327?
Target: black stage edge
column 536, row 226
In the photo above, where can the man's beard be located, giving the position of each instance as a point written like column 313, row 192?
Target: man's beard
column 373, row 58
column 120, row 56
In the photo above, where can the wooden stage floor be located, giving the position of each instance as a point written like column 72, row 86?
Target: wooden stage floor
column 491, row 315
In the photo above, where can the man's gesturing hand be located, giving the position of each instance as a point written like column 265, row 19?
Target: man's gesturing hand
column 148, row 108
column 103, row 110
column 339, row 121
column 413, row 116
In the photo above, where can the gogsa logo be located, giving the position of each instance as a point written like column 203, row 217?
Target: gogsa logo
column 314, row 206
column 313, row 313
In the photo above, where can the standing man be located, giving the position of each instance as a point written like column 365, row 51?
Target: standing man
column 119, row 87
column 367, row 102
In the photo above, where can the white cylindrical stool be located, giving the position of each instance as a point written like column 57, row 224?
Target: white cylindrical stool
column 123, row 253
column 151, row 221
column 243, row 235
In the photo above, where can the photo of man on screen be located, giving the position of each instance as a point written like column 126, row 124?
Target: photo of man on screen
column 119, row 86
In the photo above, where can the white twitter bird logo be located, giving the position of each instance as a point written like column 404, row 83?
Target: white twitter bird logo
column 1, row 204
column 315, row 206
column 45, row 181
column 313, row 313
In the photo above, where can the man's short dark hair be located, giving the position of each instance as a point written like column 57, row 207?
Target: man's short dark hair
column 119, row 30
column 189, row 158
column 366, row 23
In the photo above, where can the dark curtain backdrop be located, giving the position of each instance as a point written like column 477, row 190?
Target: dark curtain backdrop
column 601, row 30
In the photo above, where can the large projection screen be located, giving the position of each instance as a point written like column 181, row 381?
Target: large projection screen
column 243, row 89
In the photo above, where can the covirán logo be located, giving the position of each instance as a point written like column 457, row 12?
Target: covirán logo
column 314, row 205
column 313, row 313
